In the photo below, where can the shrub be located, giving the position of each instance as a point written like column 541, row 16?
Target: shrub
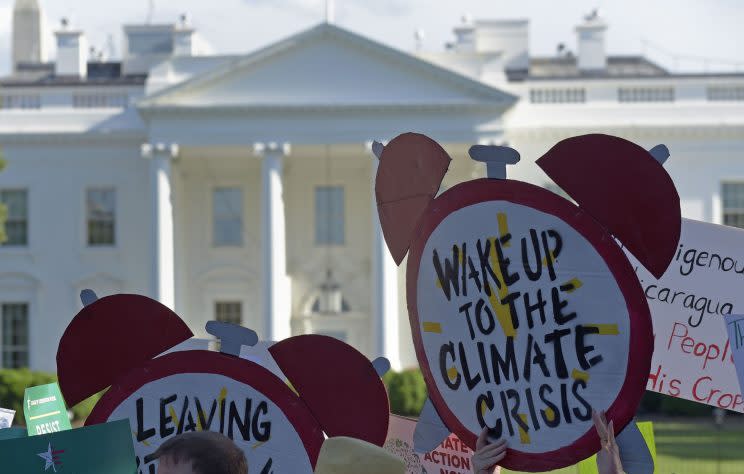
column 13, row 384
column 407, row 391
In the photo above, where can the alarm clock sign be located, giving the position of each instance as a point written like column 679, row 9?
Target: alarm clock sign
column 525, row 314
column 331, row 388
column 202, row 390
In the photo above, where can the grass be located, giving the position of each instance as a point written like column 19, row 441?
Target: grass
column 694, row 446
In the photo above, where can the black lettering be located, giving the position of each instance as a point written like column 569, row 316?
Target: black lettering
column 587, row 414
column 166, row 419
column 448, row 348
column 582, row 349
column 555, row 339
column 449, row 277
column 262, row 430
column 142, row 434
column 532, row 275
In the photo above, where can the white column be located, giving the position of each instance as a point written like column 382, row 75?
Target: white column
column 384, row 289
column 276, row 294
column 161, row 225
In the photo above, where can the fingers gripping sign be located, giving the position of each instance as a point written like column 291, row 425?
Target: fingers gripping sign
column 488, row 455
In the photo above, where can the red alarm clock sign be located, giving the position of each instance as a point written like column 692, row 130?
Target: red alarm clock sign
column 201, row 390
column 525, row 315
column 335, row 390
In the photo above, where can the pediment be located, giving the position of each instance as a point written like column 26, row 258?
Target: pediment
column 327, row 66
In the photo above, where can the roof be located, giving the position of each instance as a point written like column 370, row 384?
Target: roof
column 487, row 93
column 99, row 73
column 565, row 67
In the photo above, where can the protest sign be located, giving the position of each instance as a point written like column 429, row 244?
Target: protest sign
column 692, row 356
column 90, row 450
column 331, row 388
column 524, row 310
column 6, row 418
column 45, row 410
column 200, row 390
column 452, row 456
column 735, row 329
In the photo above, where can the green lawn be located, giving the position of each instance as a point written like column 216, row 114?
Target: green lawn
column 695, row 447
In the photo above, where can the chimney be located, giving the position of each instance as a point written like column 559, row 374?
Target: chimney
column 183, row 37
column 508, row 37
column 465, row 35
column 72, row 51
column 591, row 45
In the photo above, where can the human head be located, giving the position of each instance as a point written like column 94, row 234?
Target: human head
column 200, row 452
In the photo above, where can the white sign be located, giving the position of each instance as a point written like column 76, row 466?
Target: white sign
column 189, row 402
column 450, row 457
column 526, row 315
column 705, row 281
column 6, row 418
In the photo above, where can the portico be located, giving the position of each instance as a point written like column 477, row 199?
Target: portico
column 287, row 126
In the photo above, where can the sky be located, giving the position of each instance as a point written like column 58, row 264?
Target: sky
column 682, row 35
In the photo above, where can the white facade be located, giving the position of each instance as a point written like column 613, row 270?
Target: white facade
column 220, row 173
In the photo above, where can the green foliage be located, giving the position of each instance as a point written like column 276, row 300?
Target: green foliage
column 407, row 391
column 682, row 407
column 13, row 384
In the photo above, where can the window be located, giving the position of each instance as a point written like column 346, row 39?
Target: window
column 99, row 100
column 20, row 101
column 645, row 94
column 16, row 224
column 101, row 217
column 15, row 335
column 329, row 215
column 227, row 217
column 557, row 96
column 229, row 312
column 725, row 93
column 733, row 204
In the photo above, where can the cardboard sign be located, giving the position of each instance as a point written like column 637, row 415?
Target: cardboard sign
column 692, row 357
column 91, row 450
column 6, row 418
column 525, row 315
column 451, row 457
column 44, row 409
column 200, row 390
column 735, row 330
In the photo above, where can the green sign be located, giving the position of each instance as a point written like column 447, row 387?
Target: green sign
column 45, row 410
column 105, row 448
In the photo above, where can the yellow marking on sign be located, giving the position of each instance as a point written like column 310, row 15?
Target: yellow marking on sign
column 144, row 441
column 549, row 414
column 438, row 283
column 545, row 260
column 483, row 407
column 175, row 418
column 432, row 327
column 575, row 284
column 579, row 375
column 44, row 415
column 223, row 394
column 503, row 313
column 452, row 373
column 503, row 226
column 605, row 329
column 524, row 437
column 260, row 443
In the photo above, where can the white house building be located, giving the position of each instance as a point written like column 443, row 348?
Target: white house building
column 239, row 187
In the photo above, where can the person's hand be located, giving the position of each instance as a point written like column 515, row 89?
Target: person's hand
column 608, row 457
column 487, row 455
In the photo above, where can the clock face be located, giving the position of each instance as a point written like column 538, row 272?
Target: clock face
column 525, row 316
column 201, row 390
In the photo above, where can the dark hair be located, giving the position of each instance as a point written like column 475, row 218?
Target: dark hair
column 209, row 453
